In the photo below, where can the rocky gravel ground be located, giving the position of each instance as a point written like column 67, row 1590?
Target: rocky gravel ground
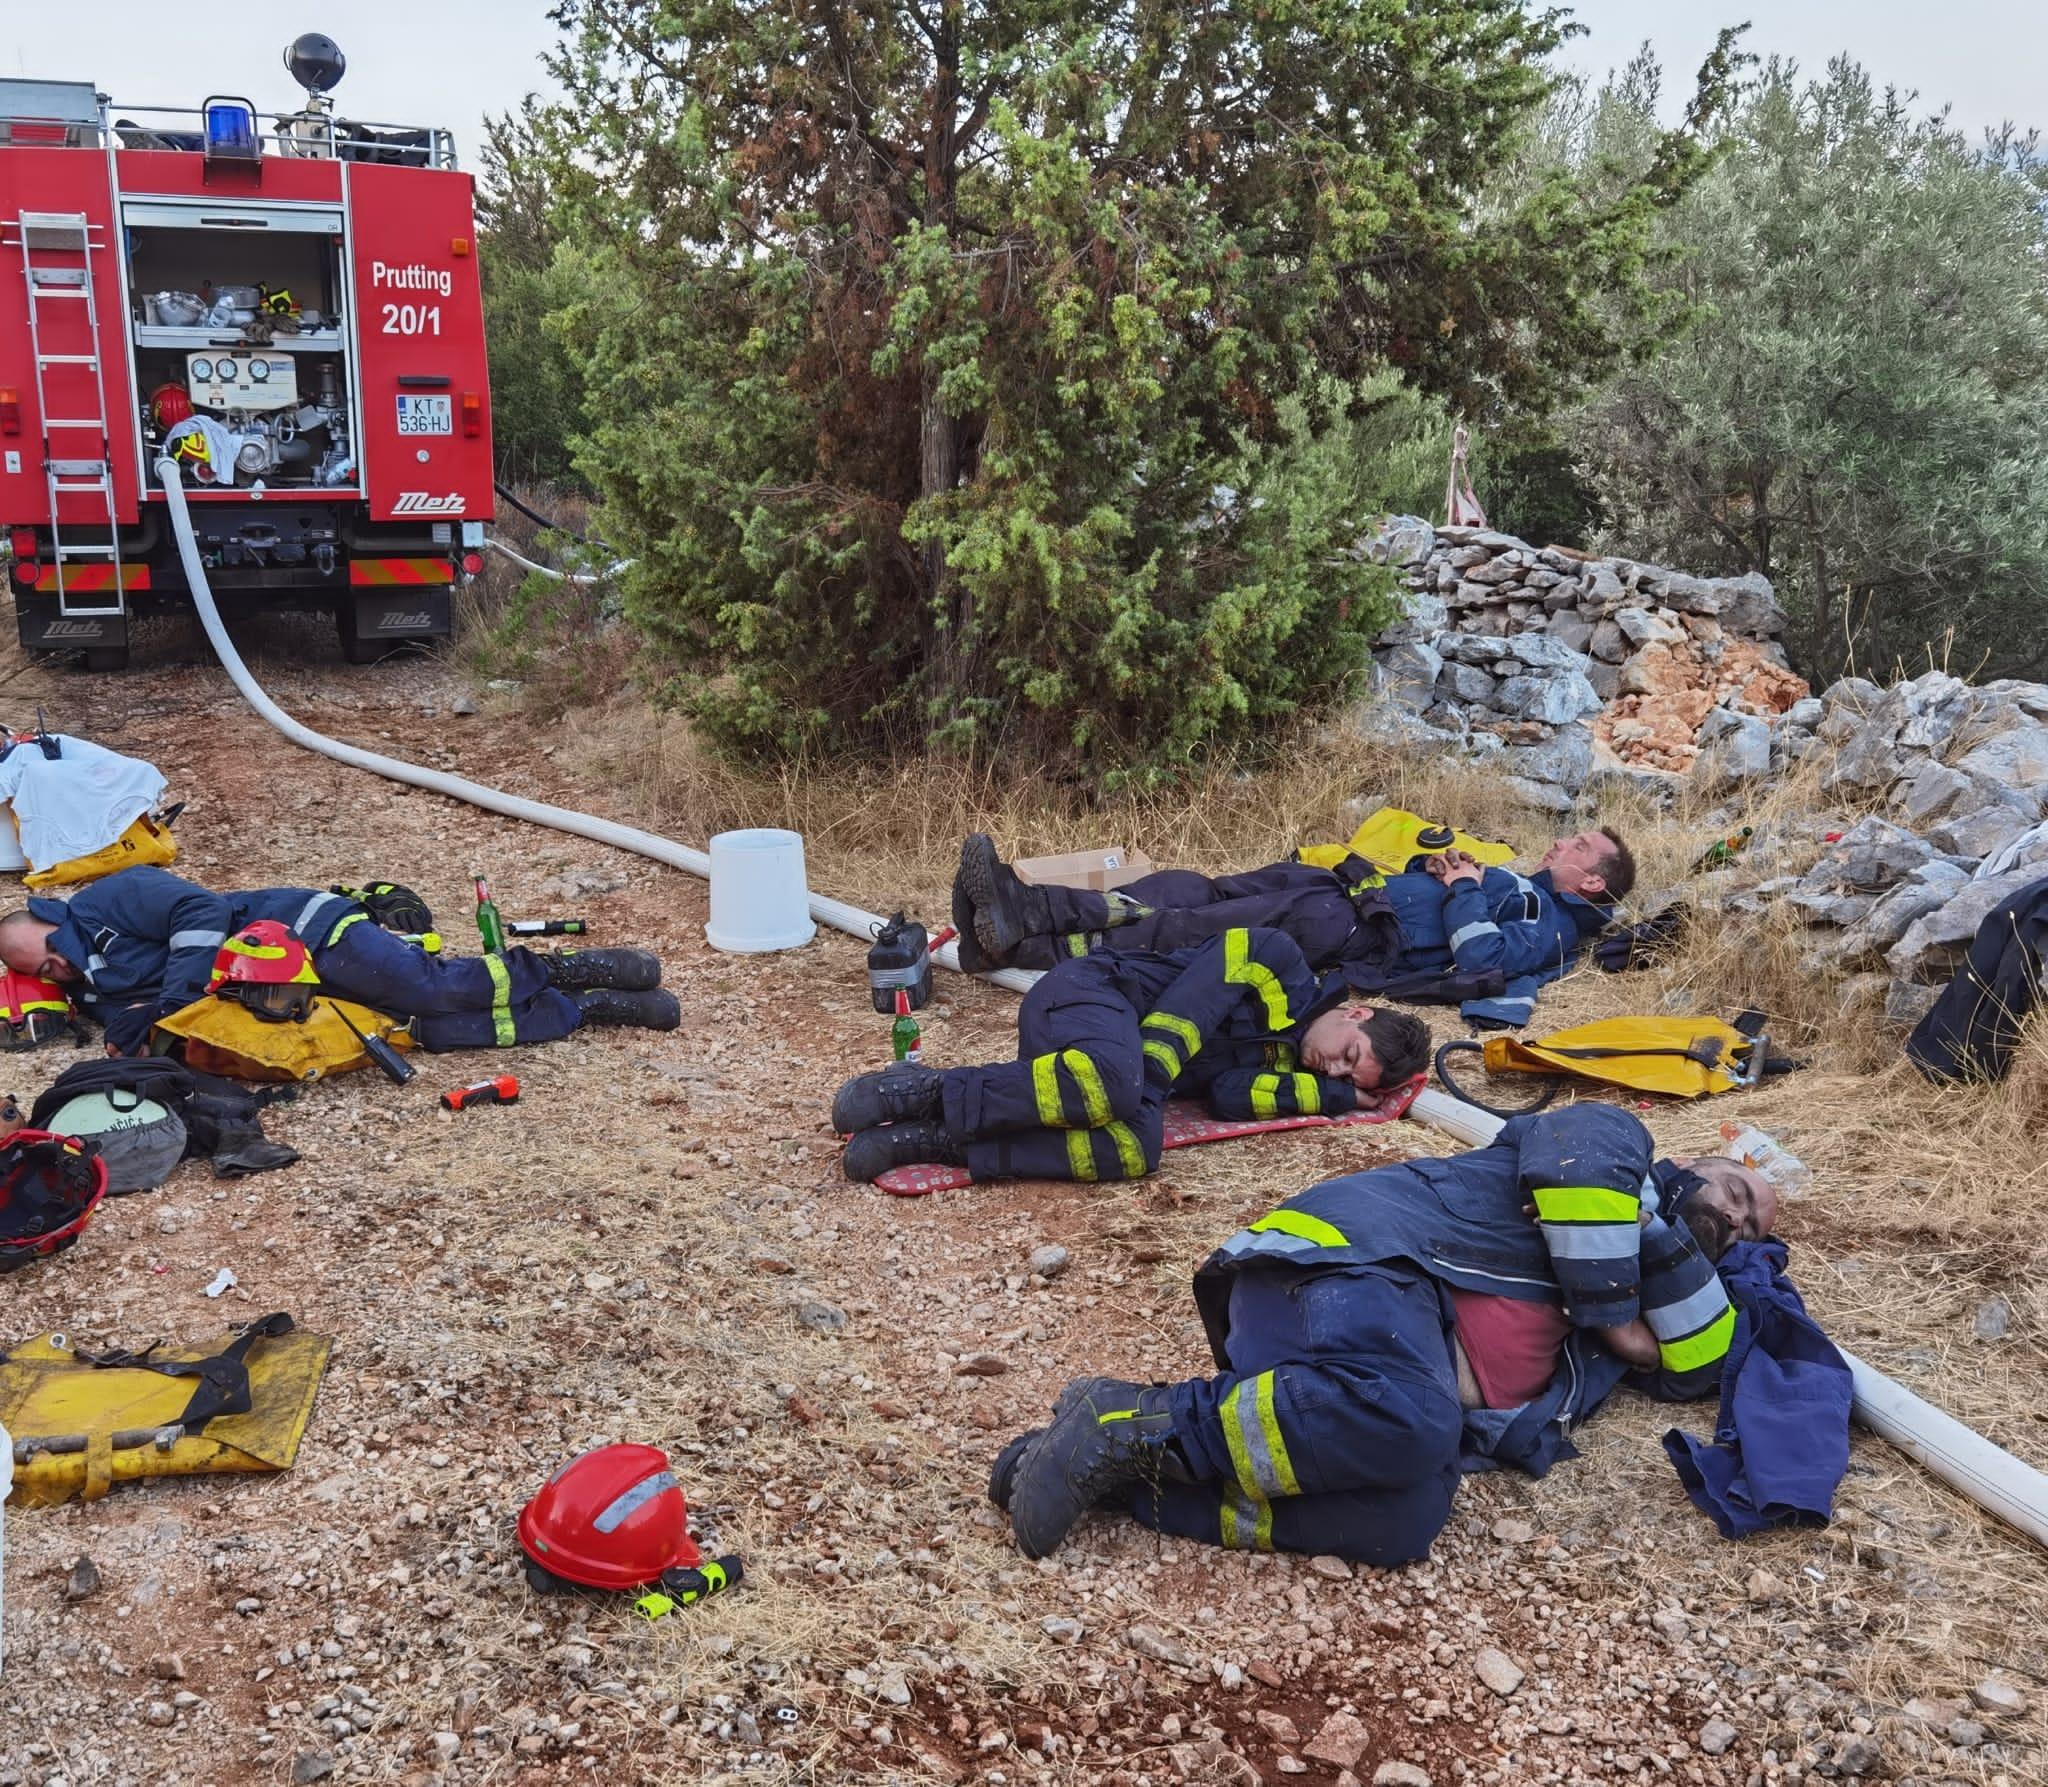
column 656, row 1244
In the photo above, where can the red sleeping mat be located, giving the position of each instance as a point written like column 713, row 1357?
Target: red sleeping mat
column 1186, row 1127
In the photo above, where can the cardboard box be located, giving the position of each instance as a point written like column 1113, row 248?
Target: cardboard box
column 1096, row 870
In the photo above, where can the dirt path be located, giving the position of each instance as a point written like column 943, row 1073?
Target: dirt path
column 656, row 1244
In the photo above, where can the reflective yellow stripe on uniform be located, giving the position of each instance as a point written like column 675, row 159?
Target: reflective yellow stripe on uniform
column 1189, row 1038
column 1081, row 1154
column 1309, row 1228
column 501, row 1001
column 1240, row 970
column 1265, row 1090
column 1308, row 1096
column 354, row 918
column 1094, row 1097
column 1695, row 1350
column 1128, row 1149
column 1585, row 1203
column 1162, row 1052
column 1045, row 1087
column 1258, row 1453
column 1248, row 1505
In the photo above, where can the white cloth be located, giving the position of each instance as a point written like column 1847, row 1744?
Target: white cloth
column 77, row 803
column 2028, row 847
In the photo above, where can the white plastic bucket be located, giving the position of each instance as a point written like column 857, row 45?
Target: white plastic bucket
column 759, row 899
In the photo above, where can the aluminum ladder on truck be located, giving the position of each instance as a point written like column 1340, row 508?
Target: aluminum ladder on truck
column 56, row 268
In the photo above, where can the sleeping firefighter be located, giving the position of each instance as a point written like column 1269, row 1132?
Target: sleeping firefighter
column 143, row 945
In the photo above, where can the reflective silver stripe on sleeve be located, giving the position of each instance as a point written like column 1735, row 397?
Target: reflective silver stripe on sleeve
column 1267, row 1241
column 93, row 964
column 309, row 909
column 1592, row 1240
column 1673, row 1321
column 633, row 1500
column 198, row 939
column 1485, row 927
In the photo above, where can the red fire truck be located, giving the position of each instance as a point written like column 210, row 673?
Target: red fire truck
column 292, row 315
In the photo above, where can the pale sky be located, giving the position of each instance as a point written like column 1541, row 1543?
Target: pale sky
column 448, row 62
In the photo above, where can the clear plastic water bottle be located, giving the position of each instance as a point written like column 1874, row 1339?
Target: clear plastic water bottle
column 1760, row 1149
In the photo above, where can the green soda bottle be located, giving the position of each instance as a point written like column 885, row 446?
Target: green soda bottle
column 488, row 922
column 904, row 1035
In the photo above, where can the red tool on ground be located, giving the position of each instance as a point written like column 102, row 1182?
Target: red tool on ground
column 502, row 1090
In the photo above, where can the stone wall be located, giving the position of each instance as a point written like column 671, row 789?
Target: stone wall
column 1960, row 775
column 1559, row 663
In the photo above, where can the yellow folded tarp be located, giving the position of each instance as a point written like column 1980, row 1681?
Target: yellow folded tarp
column 1390, row 838
column 223, row 1037
column 78, row 1429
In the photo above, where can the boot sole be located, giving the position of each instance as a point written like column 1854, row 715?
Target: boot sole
column 995, row 926
column 643, row 977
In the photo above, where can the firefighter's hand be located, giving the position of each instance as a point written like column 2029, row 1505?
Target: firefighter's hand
column 1633, row 1344
column 1458, row 867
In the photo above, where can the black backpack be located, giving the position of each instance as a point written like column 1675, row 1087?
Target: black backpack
column 220, row 1119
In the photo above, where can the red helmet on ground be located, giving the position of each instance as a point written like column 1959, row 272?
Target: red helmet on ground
column 49, row 1187
column 266, row 968
column 613, row 1518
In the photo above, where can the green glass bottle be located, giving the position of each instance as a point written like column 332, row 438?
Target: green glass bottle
column 904, row 1035
column 488, row 922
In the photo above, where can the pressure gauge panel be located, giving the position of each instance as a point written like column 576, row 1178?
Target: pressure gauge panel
column 261, row 382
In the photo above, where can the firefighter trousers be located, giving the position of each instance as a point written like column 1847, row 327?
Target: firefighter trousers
column 1179, row 908
column 452, row 1002
column 1078, row 1104
column 1337, row 1427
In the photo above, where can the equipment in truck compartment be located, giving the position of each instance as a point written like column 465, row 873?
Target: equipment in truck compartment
column 309, row 348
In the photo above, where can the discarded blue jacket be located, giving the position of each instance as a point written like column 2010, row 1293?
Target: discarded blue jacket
column 1781, row 1440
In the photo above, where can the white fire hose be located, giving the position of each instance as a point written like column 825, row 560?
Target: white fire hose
column 1991, row 1477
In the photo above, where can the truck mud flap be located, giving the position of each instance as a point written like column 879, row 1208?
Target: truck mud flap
column 418, row 611
column 44, row 629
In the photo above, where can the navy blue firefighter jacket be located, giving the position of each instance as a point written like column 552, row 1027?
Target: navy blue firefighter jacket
column 145, row 940
column 1598, row 1246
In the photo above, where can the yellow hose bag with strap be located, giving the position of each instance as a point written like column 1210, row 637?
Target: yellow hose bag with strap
column 80, row 1427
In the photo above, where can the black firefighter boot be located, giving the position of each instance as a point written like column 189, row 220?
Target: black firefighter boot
column 1005, row 910
column 627, row 970
column 1105, row 1436
column 645, row 1008
column 874, row 1152
column 899, row 1094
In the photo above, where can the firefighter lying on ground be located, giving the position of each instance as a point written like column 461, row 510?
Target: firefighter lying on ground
column 141, row 945
column 1445, row 930
column 1104, row 1040
column 1378, row 1329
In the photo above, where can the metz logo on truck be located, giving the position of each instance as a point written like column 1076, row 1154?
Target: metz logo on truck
column 420, row 502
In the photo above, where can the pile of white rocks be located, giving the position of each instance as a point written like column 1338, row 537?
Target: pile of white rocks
column 1558, row 663
column 1959, row 774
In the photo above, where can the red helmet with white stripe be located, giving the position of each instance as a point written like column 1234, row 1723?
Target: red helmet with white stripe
column 614, row 1519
